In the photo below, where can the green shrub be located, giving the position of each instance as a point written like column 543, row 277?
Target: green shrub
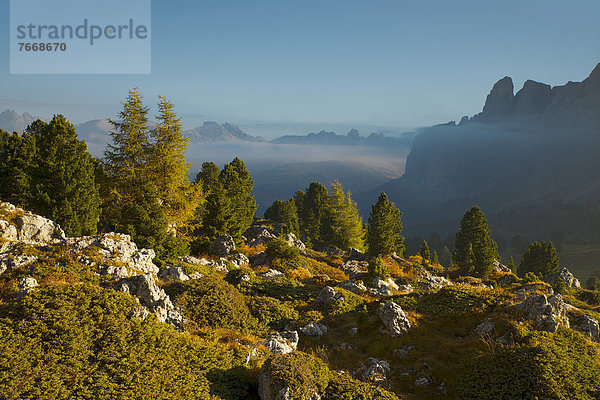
column 285, row 289
column 459, row 300
column 546, row 366
column 378, row 269
column 302, row 373
column 272, row 312
column 236, row 276
column 284, row 257
column 351, row 303
column 342, row 387
column 80, row 341
column 212, row 302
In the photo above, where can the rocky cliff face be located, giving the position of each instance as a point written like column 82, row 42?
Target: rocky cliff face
column 573, row 105
column 535, row 148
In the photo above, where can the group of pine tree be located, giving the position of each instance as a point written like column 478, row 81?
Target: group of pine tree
column 141, row 187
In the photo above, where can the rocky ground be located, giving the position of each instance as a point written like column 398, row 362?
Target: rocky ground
column 402, row 335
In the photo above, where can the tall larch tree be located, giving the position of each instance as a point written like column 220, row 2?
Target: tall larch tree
column 384, row 233
column 343, row 225
column 474, row 250
column 168, row 167
column 424, row 252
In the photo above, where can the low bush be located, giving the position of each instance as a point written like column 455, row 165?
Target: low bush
column 343, row 387
column 459, row 300
column 283, row 256
column 80, row 341
column 547, row 366
column 303, row 373
column 212, row 302
column 272, row 312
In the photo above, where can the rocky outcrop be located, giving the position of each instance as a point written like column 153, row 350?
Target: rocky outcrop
column 394, row 320
column 432, row 283
column 566, row 276
column 222, row 246
column 314, row 329
column 114, row 254
column 588, row 326
column 282, row 342
column 354, row 287
column 294, row 242
column 260, row 258
column 153, row 298
column 532, row 99
column 26, row 286
column 271, row 274
column 548, row 312
column 381, row 287
column 259, row 234
column 329, row 296
column 374, row 371
column 353, row 268
column 173, row 274
column 26, row 227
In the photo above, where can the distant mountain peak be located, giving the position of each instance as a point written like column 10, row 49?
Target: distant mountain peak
column 11, row 121
column 213, row 132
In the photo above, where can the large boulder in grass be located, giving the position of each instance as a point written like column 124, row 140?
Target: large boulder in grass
column 394, row 320
column 566, row 276
column 222, row 246
column 588, row 326
column 34, row 228
column 329, row 296
column 282, row 342
column 549, row 312
column 152, row 297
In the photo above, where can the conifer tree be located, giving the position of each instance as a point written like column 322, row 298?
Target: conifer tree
column 17, row 159
column 126, row 157
column 312, row 209
column 230, row 205
column 474, row 250
column 64, row 188
column 208, row 176
column 284, row 212
column 384, row 234
column 378, row 269
column 511, row 265
column 49, row 171
column 540, row 259
column 424, row 251
column 168, row 168
column 434, row 258
column 343, row 225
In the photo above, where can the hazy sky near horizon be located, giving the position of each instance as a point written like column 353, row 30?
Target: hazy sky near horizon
column 367, row 63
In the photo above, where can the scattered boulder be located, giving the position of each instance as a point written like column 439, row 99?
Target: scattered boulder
column 382, row 287
column 222, row 246
column 498, row 267
column 408, row 288
column 260, row 258
column 282, row 342
column 294, row 242
column 374, row 371
column 353, row 331
column 239, row 260
column 173, row 274
column 528, row 289
column 329, row 296
column 423, row 381
column 11, row 260
column 394, row 320
column 26, row 286
column 271, row 274
column 588, row 326
column 8, row 231
column 353, row 268
column 402, row 352
column 257, row 235
column 486, row 327
column 566, row 276
column 152, row 297
column 549, row 312
column 314, row 329
column 193, row 260
column 432, row 283
column 356, row 288
column 34, row 228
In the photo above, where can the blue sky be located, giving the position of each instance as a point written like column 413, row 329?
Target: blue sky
column 382, row 63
